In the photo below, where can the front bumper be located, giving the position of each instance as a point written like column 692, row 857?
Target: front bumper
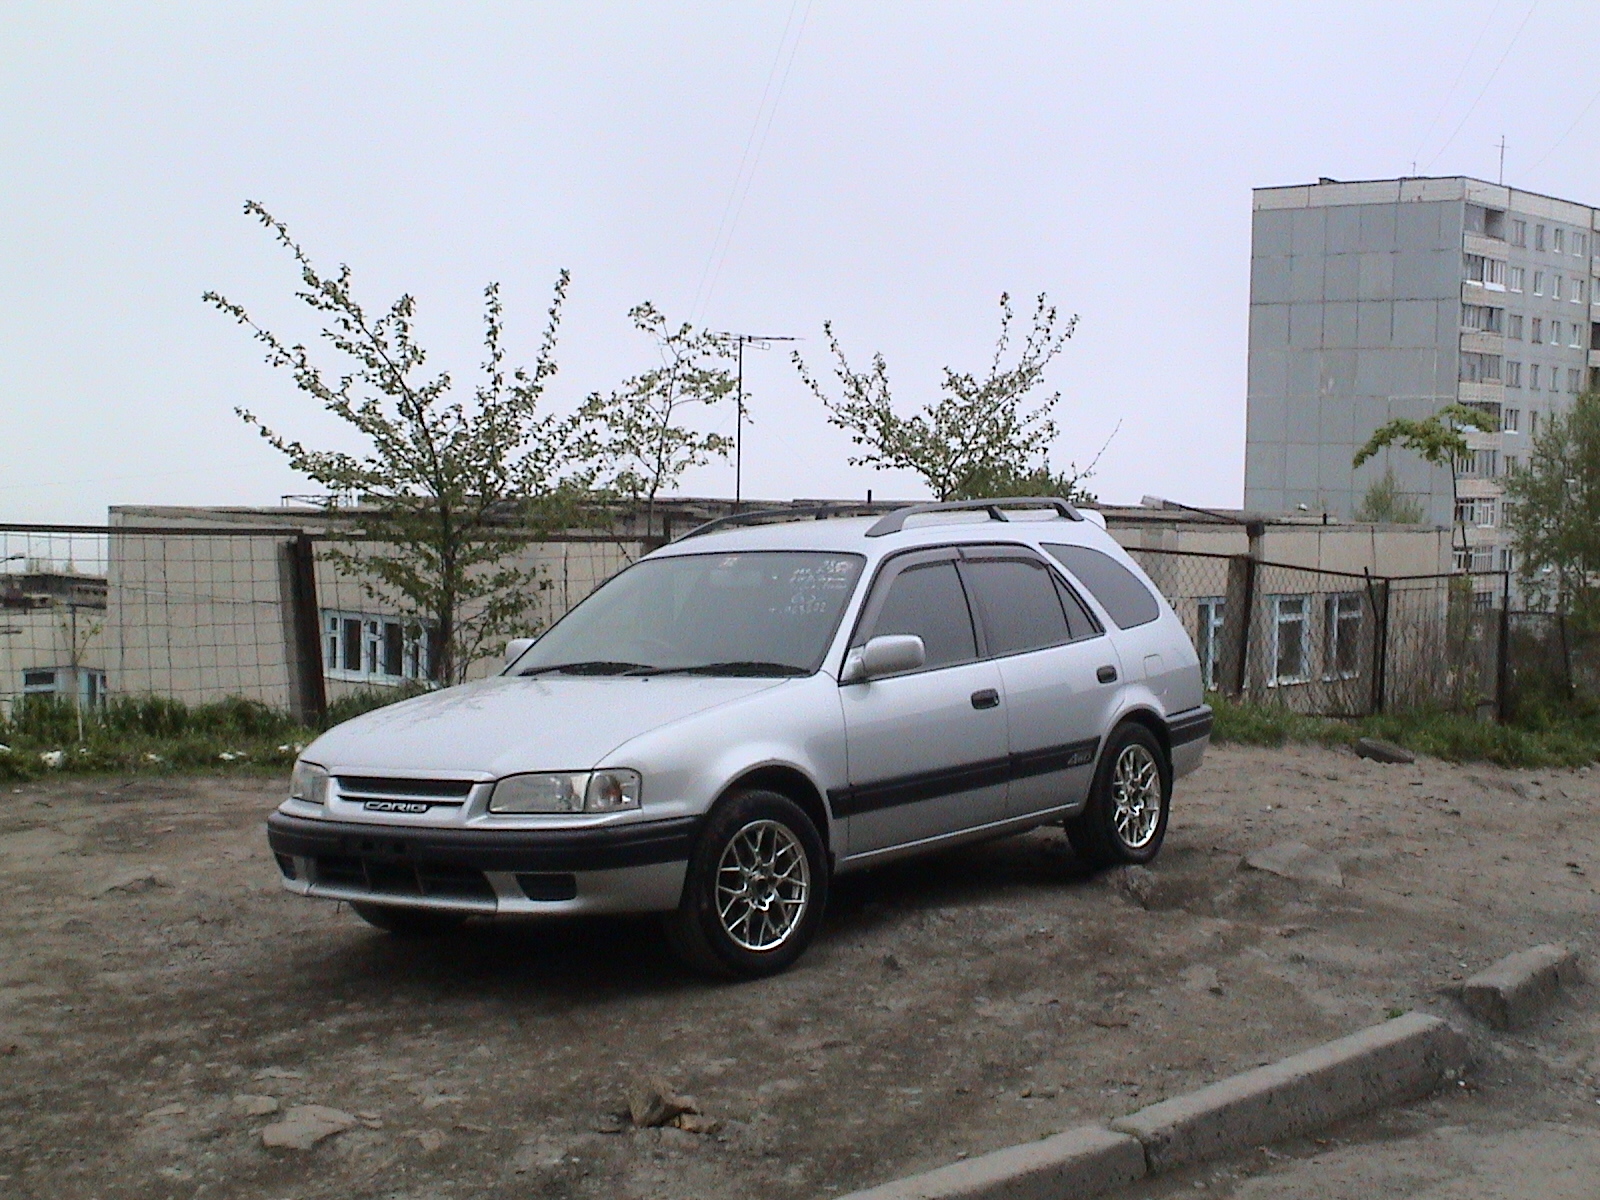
column 621, row 868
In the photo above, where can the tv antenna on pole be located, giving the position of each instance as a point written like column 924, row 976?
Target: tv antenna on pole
column 760, row 342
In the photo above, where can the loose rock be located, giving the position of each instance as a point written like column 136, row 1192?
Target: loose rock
column 1297, row 861
column 1381, row 751
column 249, row 1105
column 304, row 1125
column 654, row 1104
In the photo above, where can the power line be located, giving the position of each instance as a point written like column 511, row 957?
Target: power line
column 1460, row 75
column 1568, row 133
column 734, row 205
column 1486, row 83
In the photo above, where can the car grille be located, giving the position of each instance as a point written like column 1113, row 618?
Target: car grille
column 399, row 877
column 430, row 791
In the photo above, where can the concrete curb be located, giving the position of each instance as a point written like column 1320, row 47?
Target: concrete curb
column 1080, row 1162
column 1512, row 992
column 1396, row 1061
column 1386, row 1064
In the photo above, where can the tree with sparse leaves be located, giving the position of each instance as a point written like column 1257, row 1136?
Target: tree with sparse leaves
column 1385, row 504
column 447, row 491
column 977, row 439
column 1554, row 513
column 1437, row 440
column 639, row 434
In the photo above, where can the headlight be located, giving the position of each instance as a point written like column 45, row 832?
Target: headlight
column 567, row 792
column 309, row 783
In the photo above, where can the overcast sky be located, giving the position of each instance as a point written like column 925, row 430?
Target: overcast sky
column 893, row 167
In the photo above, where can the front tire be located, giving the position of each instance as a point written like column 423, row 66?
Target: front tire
column 408, row 922
column 756, row 887
column 1125, row 820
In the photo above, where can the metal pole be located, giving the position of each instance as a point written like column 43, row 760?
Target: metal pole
column 738, row 437
column 1502, row 678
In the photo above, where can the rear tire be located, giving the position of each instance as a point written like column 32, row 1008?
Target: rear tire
column 1125, row 820
column 408, row 922
column 755, row 891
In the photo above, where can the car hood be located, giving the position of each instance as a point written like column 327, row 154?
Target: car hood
column 510, row 723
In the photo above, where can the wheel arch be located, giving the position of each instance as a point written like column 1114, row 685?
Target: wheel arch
column 797, row 786
column 1152, row 721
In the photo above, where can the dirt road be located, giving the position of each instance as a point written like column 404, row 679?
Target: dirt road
column 155, row 985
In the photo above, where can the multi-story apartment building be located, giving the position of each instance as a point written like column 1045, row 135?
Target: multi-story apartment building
column 1392, row 298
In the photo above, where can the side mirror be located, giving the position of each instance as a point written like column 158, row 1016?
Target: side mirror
column 887, row 655
column 516, row 647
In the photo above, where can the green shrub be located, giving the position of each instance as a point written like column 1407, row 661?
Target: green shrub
column 368, row 699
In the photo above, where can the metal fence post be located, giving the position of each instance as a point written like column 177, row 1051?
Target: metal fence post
column 1381, row 651
column 1502, row 675
column 1239, row 612
column 310, row 691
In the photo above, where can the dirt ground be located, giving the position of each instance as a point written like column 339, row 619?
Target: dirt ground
column 152, row 972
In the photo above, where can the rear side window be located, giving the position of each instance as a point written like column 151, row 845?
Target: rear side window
column 1019, row 602
column 930, row 602
column 1125, row 599
column 1079, row 619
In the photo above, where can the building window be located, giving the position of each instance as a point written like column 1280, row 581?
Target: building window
column 38, row 683
column 1580, row 244
column 1519, row 233
column 1480, row 368
column 1342, row 634
column 1477, row 558
column 1533, row 376
column 1511, row 420
column 1209, row 611
column 1476, row 512
column 1577, row 336
column 1577, row 291
column 1555, row 287
column 1558, row 240
column 1538, row 332
column 1514, row 278
column 1514, row 326
column 1574, row 380
column 1483, row 318
column 1513, row 374
column 1508, row 559
column 1533, row 423
column 367, row 648
column 1480, row 464
column 1538, row 283
column 1511, row 464
column 1538, row 237
column 1289, row 640
column 1491, row 272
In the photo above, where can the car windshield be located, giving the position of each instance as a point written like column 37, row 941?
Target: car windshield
column 750, row 613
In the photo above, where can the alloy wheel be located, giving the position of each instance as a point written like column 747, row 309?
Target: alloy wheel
column 763, row 885
column 1136, row 796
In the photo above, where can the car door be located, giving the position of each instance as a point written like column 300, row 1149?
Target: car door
column 927, row 749
column 1058, row 669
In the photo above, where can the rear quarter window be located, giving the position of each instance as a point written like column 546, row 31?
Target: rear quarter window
column 1120, row 592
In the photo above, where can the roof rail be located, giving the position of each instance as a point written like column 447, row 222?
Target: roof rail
column 816, row 512
column 895, row 521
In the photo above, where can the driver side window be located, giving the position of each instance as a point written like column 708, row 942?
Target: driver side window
column 929, row 601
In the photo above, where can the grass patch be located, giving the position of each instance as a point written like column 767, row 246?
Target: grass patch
column 1542, row 741
column 134, row 735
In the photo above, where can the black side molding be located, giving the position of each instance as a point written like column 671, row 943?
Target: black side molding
column 1189, row 726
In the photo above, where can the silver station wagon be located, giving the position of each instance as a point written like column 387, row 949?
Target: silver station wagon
column 766, row 703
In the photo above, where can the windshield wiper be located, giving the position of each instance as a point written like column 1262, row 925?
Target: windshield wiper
column 592, row 667
column 744, row 666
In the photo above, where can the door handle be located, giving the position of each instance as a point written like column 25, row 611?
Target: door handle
column 1106, row 674
column 986, row 698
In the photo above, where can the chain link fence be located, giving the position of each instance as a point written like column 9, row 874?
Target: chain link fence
column 264, row 614
column 1333, row 643
column 272, row 615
